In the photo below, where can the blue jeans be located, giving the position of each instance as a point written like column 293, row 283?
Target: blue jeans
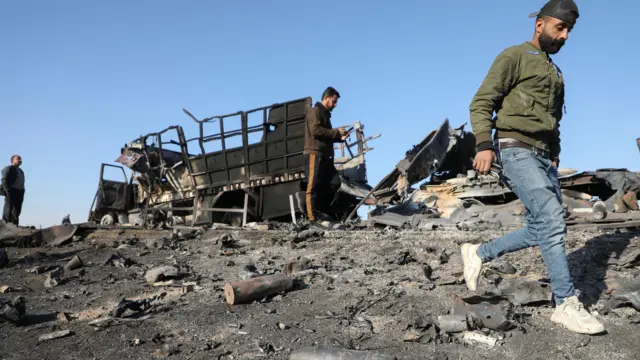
column 534, row 180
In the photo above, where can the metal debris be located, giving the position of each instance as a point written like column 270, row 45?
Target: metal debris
column 161, row 273
column 332, row 353
column 249, row 271
column 116, row 259
column 305, row 235
column 452, row 323
column 14, row 311
column 490, row 312
column 474, row 337
column 136, row 306
column 455, row 195
column 55, row 335
column 54, row 278
column 74, row 263
column 522, row 292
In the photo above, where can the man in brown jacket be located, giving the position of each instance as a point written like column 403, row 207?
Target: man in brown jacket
column 319, row 136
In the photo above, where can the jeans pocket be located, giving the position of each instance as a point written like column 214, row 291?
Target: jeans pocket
column 515, row 154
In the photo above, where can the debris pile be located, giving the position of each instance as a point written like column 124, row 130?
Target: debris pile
column 455, row 196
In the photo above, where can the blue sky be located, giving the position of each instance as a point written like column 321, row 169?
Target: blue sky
column 78, row 79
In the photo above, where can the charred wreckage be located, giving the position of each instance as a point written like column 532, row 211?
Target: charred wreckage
column 245, row 181
column 249, row 182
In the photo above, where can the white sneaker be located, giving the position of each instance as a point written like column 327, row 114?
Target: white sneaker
column 572, row 314
column 472, row 265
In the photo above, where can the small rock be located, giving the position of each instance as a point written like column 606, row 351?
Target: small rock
column 411, row 335
column 63, row 317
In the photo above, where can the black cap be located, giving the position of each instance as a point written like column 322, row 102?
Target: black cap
column 565, row 10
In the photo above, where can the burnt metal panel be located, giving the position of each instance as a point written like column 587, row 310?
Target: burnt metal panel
column 278, row 152
column 418, row 163
column 275, row 197
column 114, row 196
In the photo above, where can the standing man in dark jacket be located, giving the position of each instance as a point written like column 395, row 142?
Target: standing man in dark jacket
column 526, row 91
column 319, row 136
column 13, row 185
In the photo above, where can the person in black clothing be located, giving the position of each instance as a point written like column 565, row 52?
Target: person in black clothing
column 323, row 180
column 13, row 186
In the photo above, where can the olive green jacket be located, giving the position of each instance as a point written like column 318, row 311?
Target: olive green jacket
column 526, row 91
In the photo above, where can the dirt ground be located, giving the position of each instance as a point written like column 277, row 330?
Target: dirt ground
column 369, row 289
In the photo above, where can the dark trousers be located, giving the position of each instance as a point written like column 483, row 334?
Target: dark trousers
column 13, row 206
column 323, row 183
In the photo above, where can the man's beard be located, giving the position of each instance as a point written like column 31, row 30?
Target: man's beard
column 549, row 45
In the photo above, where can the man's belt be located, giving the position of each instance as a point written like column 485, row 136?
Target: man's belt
column 510, row 143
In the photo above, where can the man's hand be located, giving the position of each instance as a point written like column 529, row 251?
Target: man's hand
column 555, row 164
column 343, row 134
column 483, row 161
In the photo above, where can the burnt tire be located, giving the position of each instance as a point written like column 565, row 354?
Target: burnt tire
column 108, row 219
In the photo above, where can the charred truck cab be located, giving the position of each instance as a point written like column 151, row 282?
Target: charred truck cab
column 251, row 181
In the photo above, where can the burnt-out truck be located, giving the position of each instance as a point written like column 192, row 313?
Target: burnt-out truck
column 252, row 172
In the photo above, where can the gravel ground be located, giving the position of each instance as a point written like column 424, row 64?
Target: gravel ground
column 369, row 290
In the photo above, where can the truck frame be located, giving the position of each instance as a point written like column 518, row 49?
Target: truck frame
column 255, row 181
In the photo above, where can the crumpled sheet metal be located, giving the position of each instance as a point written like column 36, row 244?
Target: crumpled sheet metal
column 619, row 180
column 418, row 164
column 51, row 236
column 56, row 235
column 629, row 294
column 488, row 311
column 354, row 188
column 523, row 292
column 409, row 214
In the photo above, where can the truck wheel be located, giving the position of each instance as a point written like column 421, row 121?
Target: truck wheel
column 107, row 219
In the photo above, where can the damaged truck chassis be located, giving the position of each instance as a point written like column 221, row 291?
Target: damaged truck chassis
column 263, row 180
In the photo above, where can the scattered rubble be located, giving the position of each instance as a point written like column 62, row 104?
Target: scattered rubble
column 385, row 293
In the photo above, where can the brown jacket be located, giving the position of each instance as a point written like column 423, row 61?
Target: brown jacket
column 319, row 135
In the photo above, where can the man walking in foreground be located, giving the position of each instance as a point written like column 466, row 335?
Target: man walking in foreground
column 323, row 180
column 13, row 185
column 526, row 90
